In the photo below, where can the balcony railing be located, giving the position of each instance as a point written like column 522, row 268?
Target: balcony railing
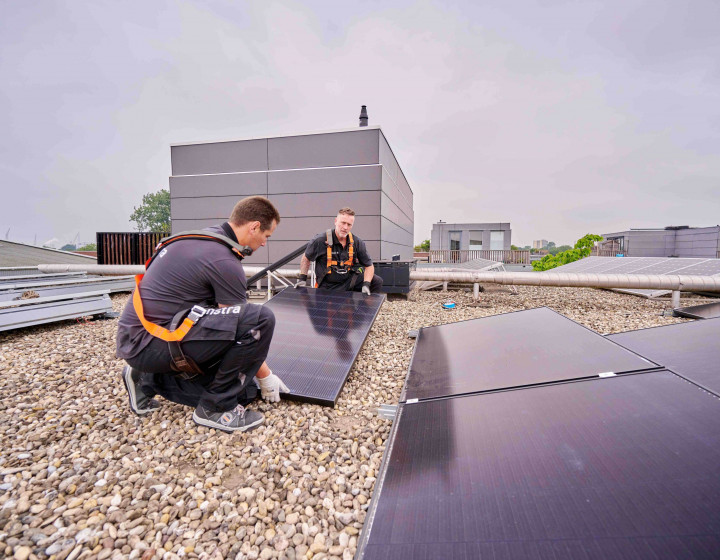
column 455, row 257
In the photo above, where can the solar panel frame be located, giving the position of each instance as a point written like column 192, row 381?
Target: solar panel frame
column 627, row 479
column 690, row 349
column 704, row 311
column 318, row 336
column 444, row 365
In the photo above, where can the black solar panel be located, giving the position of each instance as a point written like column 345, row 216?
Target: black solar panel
column 618, row 468
column 318, row 334
column 511, row 350
column 691, row 349
column 704, row 311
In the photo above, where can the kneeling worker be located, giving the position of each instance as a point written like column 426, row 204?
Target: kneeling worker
column 189, row 334
column 341, row 259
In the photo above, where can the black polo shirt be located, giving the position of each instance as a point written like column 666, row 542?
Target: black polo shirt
column 316, row 251
column 186, row 273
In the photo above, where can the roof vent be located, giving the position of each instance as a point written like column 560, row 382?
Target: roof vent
column 363, row 116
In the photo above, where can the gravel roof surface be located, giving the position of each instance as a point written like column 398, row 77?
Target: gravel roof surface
column 82, row 477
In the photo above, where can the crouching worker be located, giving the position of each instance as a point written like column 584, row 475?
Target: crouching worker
column 188, row 333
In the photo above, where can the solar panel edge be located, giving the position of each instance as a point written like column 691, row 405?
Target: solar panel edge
column 364, row 537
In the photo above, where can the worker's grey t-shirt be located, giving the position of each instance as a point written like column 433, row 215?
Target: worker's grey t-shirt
column 186, row 273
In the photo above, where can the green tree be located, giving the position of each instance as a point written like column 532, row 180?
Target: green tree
column 582, row 249
column 514, row 248
column 68, row 247
column 560, row 249
column 423, row 247
column 154, row 212
column 88, row 247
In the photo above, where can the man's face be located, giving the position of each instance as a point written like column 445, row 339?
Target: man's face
column 343, row 225
column 259, row 236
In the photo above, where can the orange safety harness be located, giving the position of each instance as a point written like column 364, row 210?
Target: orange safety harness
column 196, row 312
column 330, row 261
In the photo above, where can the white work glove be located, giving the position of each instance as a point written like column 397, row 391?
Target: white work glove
column 271, row 387
column 302, row 282
column 366, row 288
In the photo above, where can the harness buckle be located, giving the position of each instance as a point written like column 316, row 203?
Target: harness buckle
column 196, row 313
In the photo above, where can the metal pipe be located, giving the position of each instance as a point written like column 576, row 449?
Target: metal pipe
column 629, row 281
column 124, row 269
column 669, row 282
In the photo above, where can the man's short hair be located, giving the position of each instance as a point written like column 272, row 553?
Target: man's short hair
column 347, row 210
column 255, row 209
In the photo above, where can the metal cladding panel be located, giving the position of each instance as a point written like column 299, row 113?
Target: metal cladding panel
column 318, row 334
column 689, row 349
column 395, row 234
column 304, row 229
column 41, row 313
column 220, row 157
column 392, row 212
column 329, row 179
column 390, row 163
column 390, row 188
column 326, row 204
column 238, row 185
column 606, row 469
column 324, row 150
column 217, row 208
column 511, row 350
column 705, row 311
column 278, row 249
column 388, row 250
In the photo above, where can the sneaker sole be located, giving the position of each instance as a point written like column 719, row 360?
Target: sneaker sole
column 228, row 429
column 130, row 387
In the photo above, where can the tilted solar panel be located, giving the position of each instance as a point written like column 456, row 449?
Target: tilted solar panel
column 511, row 350
column 617, row 468
column 704, row 311
column 690, row 349
column 318, row 335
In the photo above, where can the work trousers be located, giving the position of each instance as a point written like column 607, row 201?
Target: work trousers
column 229, row 344
column 375, row 284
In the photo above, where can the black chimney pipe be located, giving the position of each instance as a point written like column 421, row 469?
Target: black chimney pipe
column 363, row 116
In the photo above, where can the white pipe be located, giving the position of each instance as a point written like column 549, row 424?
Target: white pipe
column 628, row 281
column 124, row 269
column 671, row 282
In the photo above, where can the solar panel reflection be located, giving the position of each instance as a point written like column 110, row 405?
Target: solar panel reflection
column 318, row 335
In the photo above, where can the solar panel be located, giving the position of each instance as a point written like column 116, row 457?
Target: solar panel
column 318, row 335
column 705, row 311
column 689, row 349
column 511, row 350
column 618, row 468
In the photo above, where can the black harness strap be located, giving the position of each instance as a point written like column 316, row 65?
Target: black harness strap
column 180, row 362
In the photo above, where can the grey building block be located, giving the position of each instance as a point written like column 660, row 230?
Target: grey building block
column 388, row 249
column 324, row 150
column 216, row 208
column 350, row 178
column 389, row 210
column 393, row 192
column 238, row 185
column 394, row 233
column 326, row 204
column 219, row 157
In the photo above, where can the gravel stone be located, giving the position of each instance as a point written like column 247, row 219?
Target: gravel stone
column 84, row 477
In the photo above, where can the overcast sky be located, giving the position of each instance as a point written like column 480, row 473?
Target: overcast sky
column 561, row 118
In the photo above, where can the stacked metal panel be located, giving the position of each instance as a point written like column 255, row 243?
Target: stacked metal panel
column 34, row 299
column 643, row 265
column 525, row 451
column 476, row 265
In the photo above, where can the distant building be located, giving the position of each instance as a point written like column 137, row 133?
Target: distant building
column 308, row 177
column 14, row 254
column 540, row 244
column 470, row 236
column 671, row 241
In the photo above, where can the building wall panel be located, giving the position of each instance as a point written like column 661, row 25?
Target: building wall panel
column 324, row 150
column 219, row 157
column 326, row 204
column 229, row 184
column 351, row 178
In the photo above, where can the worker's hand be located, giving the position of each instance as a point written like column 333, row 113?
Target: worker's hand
column 271, row 387
column 302, row 281
column 366, row 288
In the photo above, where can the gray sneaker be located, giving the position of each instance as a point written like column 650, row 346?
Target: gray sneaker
column 237, row 419
column 140, row 403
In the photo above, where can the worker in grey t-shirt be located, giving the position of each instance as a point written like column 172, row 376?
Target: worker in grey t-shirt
column 201, row 278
